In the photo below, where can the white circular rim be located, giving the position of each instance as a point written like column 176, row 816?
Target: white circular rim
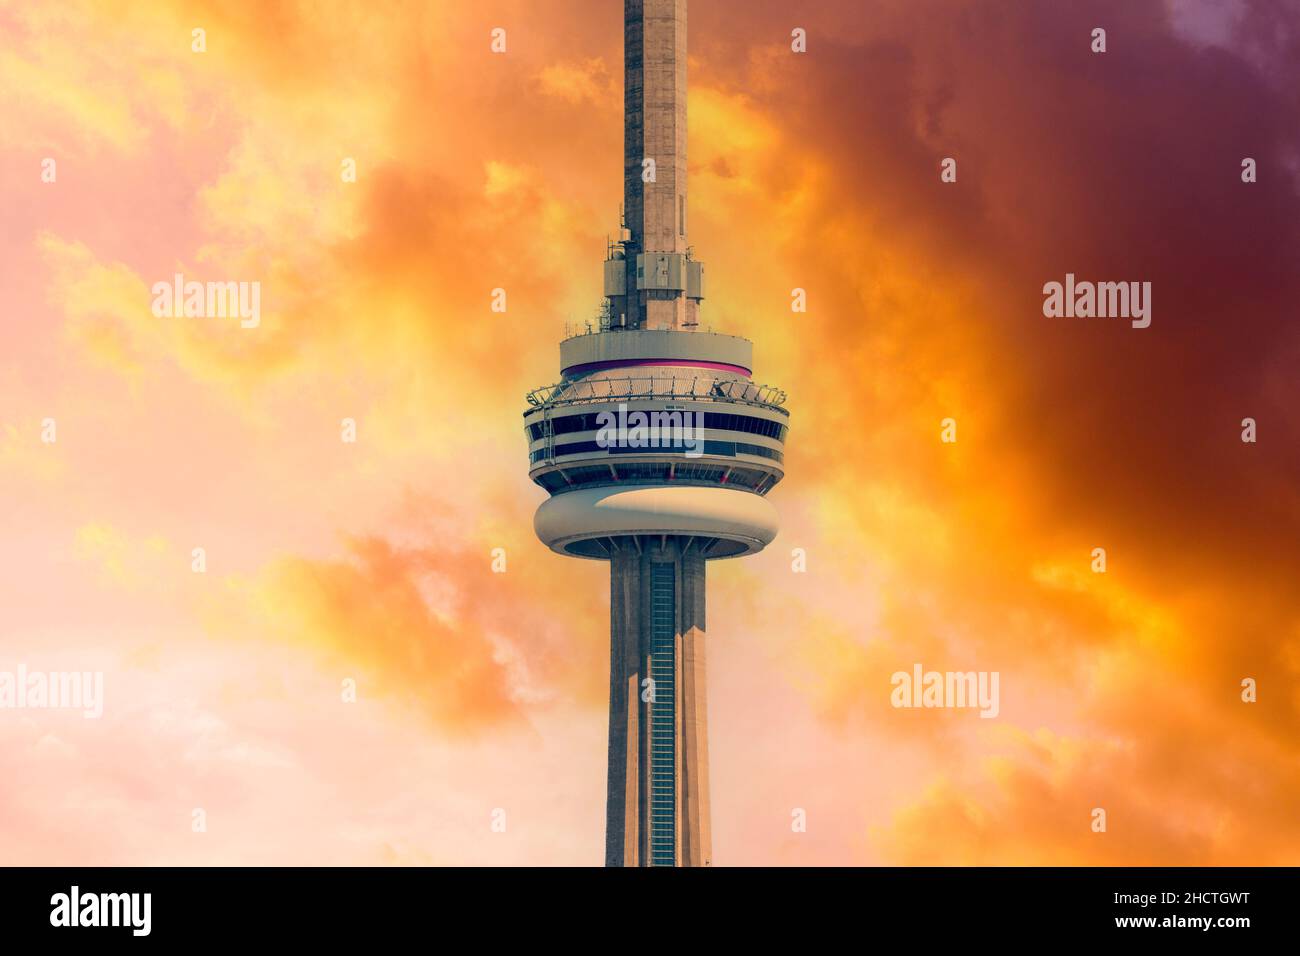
column 619, row 510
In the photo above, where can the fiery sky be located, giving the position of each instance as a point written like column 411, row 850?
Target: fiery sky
column 371, row 561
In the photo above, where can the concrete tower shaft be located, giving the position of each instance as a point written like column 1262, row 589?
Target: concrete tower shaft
column 660, row 287
column 654, row 123
column 657, row 810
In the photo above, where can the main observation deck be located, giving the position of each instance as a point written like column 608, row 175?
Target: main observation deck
column 741, row 425
column 707, row 425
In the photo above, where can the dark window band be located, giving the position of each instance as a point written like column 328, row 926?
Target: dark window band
column 723, row 421
column 725, row 448
column 587, row 476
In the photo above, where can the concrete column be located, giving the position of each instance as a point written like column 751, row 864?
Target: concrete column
column 622, row 808
column 627, row 835
column 696, row 848
column 654, row 95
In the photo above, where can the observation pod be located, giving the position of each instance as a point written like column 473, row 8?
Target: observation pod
column 635, row 440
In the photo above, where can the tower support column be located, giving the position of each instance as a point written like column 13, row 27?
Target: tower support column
column 654, row 129
column 657, row 810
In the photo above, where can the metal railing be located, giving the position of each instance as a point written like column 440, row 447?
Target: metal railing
column 694, row 388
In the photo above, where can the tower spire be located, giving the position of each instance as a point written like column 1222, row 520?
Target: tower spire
column 656, row 286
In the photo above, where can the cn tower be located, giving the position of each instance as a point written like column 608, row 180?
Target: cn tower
column 658, row 451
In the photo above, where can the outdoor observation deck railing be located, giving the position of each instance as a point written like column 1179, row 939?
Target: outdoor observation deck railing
column 693, row 388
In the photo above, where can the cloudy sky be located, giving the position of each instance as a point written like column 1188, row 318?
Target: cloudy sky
column 329, row 561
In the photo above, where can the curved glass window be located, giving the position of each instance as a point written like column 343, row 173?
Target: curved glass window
column 570, row 424
column 728, row 449
column 586, row 476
